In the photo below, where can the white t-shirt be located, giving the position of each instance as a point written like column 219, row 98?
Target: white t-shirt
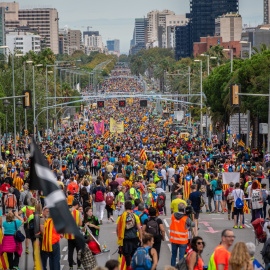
column 238, row 193
column 265, row 229
column 171, row 172
column 163, row 172
column 159, row 190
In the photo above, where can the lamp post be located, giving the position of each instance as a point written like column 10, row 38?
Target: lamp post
column 47, row 95
column 246, row 42
column 201, row 127
column 231, row 51
column 6, row 103
column 207, row 55
column 19, row 104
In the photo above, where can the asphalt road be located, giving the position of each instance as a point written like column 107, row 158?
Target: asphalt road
column 210, row 228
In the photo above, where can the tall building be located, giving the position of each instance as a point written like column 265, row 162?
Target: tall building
column 204, row 12
column 2, row 28
column 139, row 35
column 171, row 22
column 90, row 33
column 23, row 42
column 93, row 43
column 42, row 20
column 113, row 45
column 157, row 26
column 266, row 11
column 63, row 41
column 74, row 41
column 229, row 27
column 183, row 41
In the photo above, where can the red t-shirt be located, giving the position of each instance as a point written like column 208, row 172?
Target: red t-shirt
column 222, row 256
column 4, row 188
column 73, row 188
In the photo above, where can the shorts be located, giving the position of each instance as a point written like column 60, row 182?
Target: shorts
column 27, row 234
column 218, row 197
column 237, row 211
column 196, row 214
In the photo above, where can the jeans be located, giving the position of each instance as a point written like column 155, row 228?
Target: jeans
column 210, row 203
column 100, row 206
column 163, row 184
column 182, row 251
column 72, row 244
column 54, row 257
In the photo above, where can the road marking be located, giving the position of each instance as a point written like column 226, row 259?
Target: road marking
column 217, row 218
column 62, row 266
column 166, row 223
column 170, row 247
column 166, row 237
column 206, row 223
column 66, row 257
column 248, row 226
column 65, row 249
column 62, row 256
column 211, row 230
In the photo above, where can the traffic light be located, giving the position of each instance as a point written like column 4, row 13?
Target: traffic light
column 122, row 103
column 26, row 132
column 100, row 104
column 90, row 106
column 27, row 99
column 82, row 108
column 143, row 103
column 235, row 98
column 172, row 106
column 163, row 105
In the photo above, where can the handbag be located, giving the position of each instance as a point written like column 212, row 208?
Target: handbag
column 18, row 234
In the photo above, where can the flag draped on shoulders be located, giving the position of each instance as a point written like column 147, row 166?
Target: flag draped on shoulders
column 187, row 185
column 121, row 229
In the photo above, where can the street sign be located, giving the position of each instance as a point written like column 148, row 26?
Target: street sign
column 234, row 123
column 263, row 128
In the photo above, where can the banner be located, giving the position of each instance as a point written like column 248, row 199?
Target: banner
column 116, row 126
column 98, row 127
column 229, row 177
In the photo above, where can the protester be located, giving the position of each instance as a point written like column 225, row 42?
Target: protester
column 194, row 258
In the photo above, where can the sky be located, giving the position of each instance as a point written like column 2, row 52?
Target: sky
column 115, row 19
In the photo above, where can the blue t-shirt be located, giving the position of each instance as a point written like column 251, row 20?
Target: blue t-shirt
column 9, row 227
column 214, row 185
column 195, row 199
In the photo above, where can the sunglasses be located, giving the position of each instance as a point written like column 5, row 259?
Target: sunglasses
column 200, row 243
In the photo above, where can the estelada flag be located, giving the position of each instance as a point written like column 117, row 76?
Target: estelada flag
column 187, row 185
column 122, row 262
column 3, row 258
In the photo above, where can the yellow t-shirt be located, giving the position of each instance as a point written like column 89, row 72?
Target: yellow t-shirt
column 174, row 204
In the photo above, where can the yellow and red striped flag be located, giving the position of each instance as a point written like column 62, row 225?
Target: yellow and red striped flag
column 3, row 258
column 241, row 143
column 187, row 185
column 106, row 134
column 143, row 155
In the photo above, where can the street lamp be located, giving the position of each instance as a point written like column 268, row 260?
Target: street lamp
column 201, row 127
column 19, row 104
column 24, row 86
column 207, row 55
column 6, row 103
column 231, row 51
column 246, row 42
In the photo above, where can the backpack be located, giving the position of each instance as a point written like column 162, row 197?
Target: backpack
column 230, row 168
column 140, row 216
column 239, row 203
column 126, row 196
column 130, row 221
column 70, row 158
column 202, row 201
column 264, row 195
column 152, row 227
column 160, row 200
column 28, row 213
column 26, row 198
column 183, row 264
column 95, row 163
column 258, row 229
column 109, row 200
column 230, row 197
column 128, row 170
column 17, row 164
column 99, row 196
column 10, row 202
column 141, row 259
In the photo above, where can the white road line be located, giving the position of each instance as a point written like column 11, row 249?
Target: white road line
column 62, row 267
column 217, row 218
column 166, row 237
column 66, row 257
column 166, row 223
column 248, row 226
column 65, row 248
column 62, row 256
column 170, row 247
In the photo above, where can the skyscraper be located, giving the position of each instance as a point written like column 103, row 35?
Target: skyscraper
column 204, row 12
column 2, row 28
column 266, row 11
column 139, row 35
column 113, row 45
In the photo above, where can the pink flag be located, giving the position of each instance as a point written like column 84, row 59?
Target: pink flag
column 98, row 127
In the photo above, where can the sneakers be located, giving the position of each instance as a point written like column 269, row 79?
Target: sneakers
column 235, row 227
column 207, row 211
column 100, row 222
column 112, row 219
column 222, row 212
column 27, row 251
column 244, row 226
column 240, row 227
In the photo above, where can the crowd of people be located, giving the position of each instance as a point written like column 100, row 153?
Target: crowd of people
column 132, row 176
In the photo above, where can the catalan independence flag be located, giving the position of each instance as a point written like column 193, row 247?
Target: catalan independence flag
column 187, row 185
column 3, row 258
column 143, row 155
column 241, row 143
column 106, row 134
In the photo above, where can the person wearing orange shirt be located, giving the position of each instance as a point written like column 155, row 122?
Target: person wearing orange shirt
column 50, row 244
column 72, row 186
column 221, row 254
column 149, row 167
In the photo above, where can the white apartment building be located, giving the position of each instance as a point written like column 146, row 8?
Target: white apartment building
column 93, row 43
column 171, row 22
column 23, row 42
column 157, row 26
